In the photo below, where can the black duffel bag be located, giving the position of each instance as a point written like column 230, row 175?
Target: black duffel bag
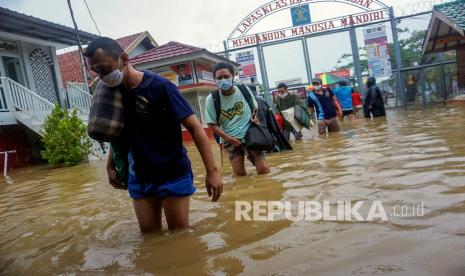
column 258, row 138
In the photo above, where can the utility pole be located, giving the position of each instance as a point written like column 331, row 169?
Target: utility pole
column 81, row 56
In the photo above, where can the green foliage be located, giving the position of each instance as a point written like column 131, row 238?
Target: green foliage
column 346, row 60
column 65, row 138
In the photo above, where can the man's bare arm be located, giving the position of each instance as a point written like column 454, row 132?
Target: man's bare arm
column 213, row 181
column 219, row 132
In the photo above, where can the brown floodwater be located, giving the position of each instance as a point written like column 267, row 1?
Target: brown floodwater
column 70, row 221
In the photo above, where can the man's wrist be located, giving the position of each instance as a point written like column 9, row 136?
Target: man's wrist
column 213, row 169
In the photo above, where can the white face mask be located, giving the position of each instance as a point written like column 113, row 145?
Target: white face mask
column 317, row 87
column 114, row 78
column 225, row 84
column 284, row 95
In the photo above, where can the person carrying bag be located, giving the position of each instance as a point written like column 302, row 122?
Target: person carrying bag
column 230, row 112
column 257, row 137
column 106, row 124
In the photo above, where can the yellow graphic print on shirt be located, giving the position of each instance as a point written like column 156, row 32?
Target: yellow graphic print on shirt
column 237, row 109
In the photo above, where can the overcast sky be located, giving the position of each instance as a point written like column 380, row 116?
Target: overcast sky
column 203, row 23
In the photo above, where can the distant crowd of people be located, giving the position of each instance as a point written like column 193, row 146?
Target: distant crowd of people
column 330, row 104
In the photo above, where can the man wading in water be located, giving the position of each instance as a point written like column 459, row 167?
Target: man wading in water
column 160, row 174
column 326, row 106
column 236, row 111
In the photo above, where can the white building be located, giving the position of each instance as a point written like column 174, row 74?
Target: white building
column 30, row 81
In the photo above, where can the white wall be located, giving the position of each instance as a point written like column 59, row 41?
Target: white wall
column 25, row 47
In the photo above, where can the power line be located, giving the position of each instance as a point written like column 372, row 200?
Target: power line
column 92, row 17
column 81, row 55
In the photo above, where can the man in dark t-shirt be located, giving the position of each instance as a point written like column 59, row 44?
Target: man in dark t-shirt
column 160, row 174
column 327, row 108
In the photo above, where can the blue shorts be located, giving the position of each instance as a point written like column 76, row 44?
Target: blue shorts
column 183, row 186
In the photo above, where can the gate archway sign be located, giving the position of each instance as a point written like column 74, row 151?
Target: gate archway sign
column 300, row 11
column 370, row 11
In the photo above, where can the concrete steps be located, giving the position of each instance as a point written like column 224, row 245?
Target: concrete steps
column 29, row 121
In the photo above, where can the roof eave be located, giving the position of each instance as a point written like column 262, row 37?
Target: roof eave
column 54, row 27
column 449, row 22
column 440, row 17
column 141, row 38
column 166, row 61
column 218, row 58
column 182, row 58
column 428, row 33
column 152, row 39
column 30, row 39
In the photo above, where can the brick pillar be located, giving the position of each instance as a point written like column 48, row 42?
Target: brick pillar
column 461, row 67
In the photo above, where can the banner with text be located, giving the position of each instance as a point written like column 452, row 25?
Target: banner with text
column 376, row 43
column 247, row 70
column 308, row 29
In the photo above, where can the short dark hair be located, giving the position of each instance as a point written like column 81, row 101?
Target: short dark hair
column 343, row 83
column 282, row 85
column 371, row 80
column 110, row 46
column 223, row 65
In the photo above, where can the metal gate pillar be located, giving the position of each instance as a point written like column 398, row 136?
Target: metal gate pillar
column 398, row 58
column 308, row 67
column 356, row 58
column 261, row 60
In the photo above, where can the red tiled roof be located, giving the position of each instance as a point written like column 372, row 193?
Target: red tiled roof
column 169, row 50
column 127, row 41
column 70, row 63
column 71, row 68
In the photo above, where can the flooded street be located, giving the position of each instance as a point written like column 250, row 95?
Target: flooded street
column 70, row 220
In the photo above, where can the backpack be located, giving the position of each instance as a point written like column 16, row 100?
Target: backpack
column 217, row 103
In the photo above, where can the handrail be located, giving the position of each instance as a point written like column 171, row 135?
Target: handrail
column 78, row 98
column 3, row 99
column 80, row 85
column 23, row 99
column 19, row 97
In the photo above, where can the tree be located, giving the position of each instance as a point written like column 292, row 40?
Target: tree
column 65, row 138
column 347, row 61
